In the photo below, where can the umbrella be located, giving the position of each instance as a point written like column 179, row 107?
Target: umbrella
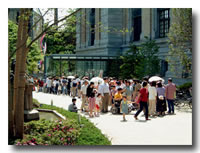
column 96, row 80
column 70, row 77
column 156, row 78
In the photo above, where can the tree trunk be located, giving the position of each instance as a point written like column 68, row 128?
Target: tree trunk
column 20, row 67
column 10, row 103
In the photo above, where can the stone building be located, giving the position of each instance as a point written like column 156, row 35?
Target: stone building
column 109, row 31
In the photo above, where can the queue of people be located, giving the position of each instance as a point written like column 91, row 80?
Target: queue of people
column 151, row 97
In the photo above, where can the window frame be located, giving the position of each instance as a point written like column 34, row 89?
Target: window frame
column 162, row 19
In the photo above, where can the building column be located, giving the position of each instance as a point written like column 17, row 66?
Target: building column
column 125, row 29
column 97, row 26
column 78, row 30
column 83, row 27
column 146, row 23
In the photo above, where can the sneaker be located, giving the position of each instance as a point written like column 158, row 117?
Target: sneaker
column 147, row 119
column 135, row 118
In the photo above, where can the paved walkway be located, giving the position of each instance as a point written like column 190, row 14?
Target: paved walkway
column 167, row 130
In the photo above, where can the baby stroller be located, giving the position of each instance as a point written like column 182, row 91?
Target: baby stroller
column 132, row 106
column 115, row 109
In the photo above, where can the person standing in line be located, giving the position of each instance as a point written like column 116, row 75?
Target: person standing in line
column 128, row 91
column 161, row 102
column 64, row 86
column 74, row 86
column 113, row 92
column 69, row 87
column 91, row 97
column 133, row 88
column 137, row 89
column 57, row 84
column 59, row 87
column 170, row 95
column 41, row 83
column 152, row 98
column 52, row 86
column 118, row 85
column 48, row 81
column 83, row 94
column 105, row 93
column 79, row 89
column 143, row 98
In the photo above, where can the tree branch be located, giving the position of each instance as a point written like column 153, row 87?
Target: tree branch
column 38, row 20
column 45, row 30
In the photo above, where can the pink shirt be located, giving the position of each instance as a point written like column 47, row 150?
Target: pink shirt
column 170, row 90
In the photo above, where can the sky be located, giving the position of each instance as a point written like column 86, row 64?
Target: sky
column 50, row 15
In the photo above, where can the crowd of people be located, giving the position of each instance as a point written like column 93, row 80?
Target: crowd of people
column 152, row 98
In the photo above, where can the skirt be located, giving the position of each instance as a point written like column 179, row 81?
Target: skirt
column 91, row 103
column 161, row 105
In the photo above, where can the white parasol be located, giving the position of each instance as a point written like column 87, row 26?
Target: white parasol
column 96, row 80
column 156, row 78
column 70, row 77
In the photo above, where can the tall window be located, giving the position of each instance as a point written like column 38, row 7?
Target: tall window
column 164, row 22
column 164, row 67
column 137, row 26
column 92, row 26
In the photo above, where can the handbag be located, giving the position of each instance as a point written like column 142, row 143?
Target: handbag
column 161, row 97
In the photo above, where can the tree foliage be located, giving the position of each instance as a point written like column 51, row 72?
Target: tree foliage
column 140, row 61
column 12, row 35
column 180, row 38
column 34, row 54
column 62, row 40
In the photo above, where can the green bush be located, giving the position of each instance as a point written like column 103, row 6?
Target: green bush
column 185, row 86
column 89, row 134
column 36, row 104
column 44, row 132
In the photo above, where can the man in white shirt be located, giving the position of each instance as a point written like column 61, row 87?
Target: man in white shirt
column 83, row 94
column 48, row 81
column 105, row 92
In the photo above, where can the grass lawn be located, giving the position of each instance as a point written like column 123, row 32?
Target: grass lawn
column 89, row 134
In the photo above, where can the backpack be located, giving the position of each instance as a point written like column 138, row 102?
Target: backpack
column 74, row 84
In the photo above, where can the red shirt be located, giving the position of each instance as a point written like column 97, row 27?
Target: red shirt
column 144, row 95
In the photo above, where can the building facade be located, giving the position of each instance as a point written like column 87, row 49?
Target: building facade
column 110, row 31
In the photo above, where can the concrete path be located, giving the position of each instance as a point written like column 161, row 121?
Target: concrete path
column 167, row 130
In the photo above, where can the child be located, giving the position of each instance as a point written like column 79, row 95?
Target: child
column 124, row 107
column 97, row 104
column 72, row 107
